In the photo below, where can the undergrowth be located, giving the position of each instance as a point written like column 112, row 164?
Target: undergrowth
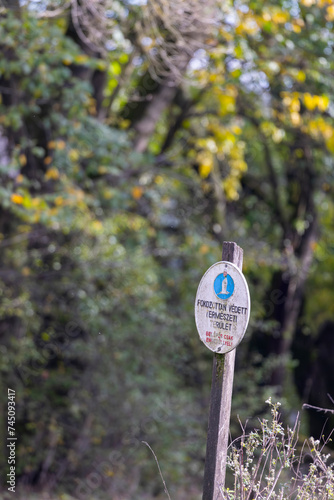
column 268, row 463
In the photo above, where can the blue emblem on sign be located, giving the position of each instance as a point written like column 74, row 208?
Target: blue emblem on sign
column 223, row 285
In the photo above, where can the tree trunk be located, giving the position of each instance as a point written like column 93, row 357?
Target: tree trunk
column 145, row 127
column 287, row 312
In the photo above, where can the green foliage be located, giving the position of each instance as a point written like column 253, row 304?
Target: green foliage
column 102, row 247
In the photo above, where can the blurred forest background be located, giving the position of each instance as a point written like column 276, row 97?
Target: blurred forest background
column 135, row 137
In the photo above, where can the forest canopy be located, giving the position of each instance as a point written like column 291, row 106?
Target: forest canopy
column 136, row 137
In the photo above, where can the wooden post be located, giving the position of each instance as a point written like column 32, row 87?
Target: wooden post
column 220, row 405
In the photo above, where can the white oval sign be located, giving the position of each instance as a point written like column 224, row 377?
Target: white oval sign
column 222, row 307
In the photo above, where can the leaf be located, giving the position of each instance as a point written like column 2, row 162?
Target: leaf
column 330, row 13
column 309, row 101
column 115, row 68
column 17, row 198
column 52, row 173
column 137, row 192
column 205, row 159
column 22, row 160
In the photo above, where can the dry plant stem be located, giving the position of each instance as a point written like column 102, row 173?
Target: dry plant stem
column 275, row 482
column 263, row 470
column 297, row 473
column 254, row 476
column 54, row 13
column 222, row 493
column 157, row 462
column 274, row 448
column 287, row 455
column 177, row 29
column 324, row 410
column 240, row 468
column 76, row 22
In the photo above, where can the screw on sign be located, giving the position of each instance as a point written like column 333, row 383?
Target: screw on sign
column 222, row 308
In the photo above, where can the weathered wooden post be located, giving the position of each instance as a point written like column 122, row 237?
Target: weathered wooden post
column 222, row 309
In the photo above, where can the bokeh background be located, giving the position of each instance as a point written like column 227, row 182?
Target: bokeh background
column 136, row 137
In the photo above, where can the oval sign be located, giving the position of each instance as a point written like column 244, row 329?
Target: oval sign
column 222, row 307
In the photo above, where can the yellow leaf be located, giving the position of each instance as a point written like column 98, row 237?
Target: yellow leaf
column 35, row 202
column 248, row 26
column 323, row 102
column 314, row 128
column 204, row 249
column 227, row 103
column 137, row 192
column 52, row 173
column 92, row 109
column 17, row 198
column 59, row 201
column 326, row 130
column 280, row 17
column 240, row 165
column 330, row 144
column 236, row 130
column 25, row 271
column 115, row 68
column 82, row 58
column 231, row 185
column 123, row 58
column 47, row 160
column 286, row 99
column 107, row 195
column 295, row 118
column 238, row 52
column 97, row 225
column 309, row 101
column 295, row 104
column 300, row 76
column 330, row 13
column 74, row 155
column 316, row 101
column 204, row 170
column 159, row 179
column 125, row 124
column 298, row 22
column 296, row 28
column 205, row 160
column 101, row 65
column 22, row 160
column 60, row 144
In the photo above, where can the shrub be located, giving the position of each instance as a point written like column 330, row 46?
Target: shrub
column 269, row 463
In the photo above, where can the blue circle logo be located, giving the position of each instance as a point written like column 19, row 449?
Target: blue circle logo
column 223, row 286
